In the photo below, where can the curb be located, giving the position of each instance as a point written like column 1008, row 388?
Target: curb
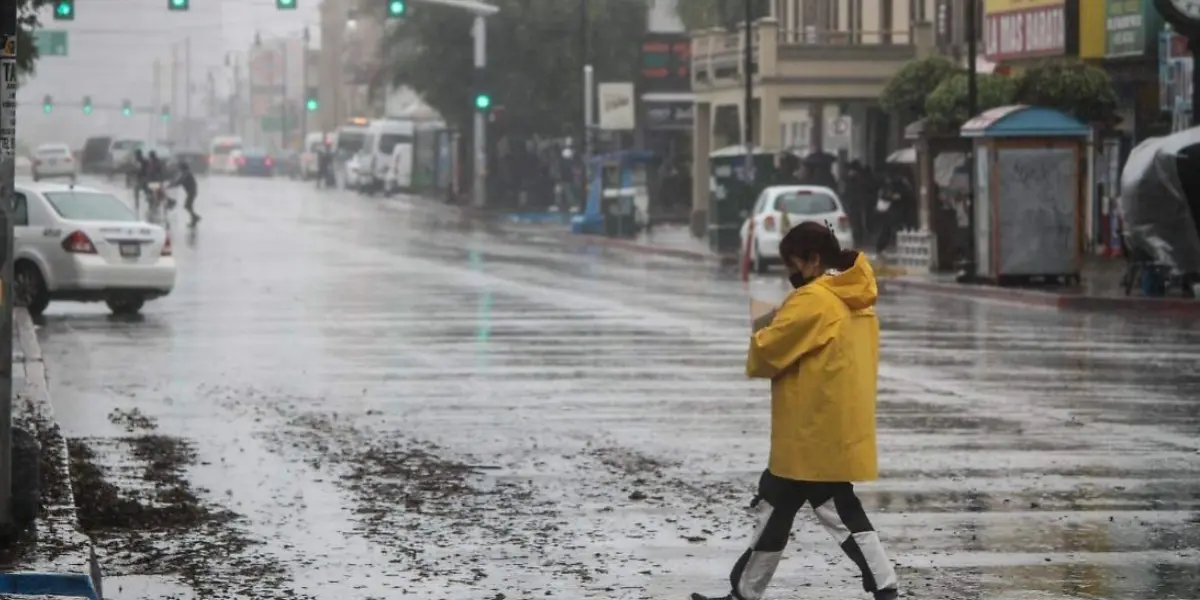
column 623, row 244
column 1075, row 302
column 63, row 561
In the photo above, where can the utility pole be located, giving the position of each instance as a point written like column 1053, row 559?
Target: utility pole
column 585, row 131
column 283, row 102
column 157, row 97
column 187, row 111
column 174, row 86
column 748, row 99
column 8, row 147
column 969, row 269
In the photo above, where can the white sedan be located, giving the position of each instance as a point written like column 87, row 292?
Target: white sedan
column 53, row 160
column 801, row 203
column 79, row 244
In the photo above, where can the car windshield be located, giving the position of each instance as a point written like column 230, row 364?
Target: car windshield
column 90, row 206
column 226, row 148
column 53, row 151
column 127, row 144
column 388, row 141
column 254, row 153
column 806, row 203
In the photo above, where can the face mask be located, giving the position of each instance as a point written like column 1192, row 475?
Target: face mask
column 799, row 280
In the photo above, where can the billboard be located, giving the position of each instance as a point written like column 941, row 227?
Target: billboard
column 665, row 64
column 1022, row 29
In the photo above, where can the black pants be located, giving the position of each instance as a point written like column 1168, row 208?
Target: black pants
column 188, row 203
column 838, row 510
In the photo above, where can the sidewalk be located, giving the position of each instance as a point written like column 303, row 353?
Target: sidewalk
column 1099, row 291
column 59, row 559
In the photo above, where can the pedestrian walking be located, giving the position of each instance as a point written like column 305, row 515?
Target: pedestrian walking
column 820, row 349
column 187, row 181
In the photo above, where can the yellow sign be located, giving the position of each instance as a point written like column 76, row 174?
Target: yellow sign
column 991, row 7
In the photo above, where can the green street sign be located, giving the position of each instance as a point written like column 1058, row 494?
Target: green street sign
column 50, row 42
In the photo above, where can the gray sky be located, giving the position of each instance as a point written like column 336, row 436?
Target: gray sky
column 113, row 45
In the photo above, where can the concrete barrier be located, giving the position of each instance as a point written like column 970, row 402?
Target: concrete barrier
column 62, row 560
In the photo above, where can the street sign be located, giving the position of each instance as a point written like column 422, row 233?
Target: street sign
column 50, row 42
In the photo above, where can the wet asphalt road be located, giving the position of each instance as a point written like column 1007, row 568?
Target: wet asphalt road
column 393, row 402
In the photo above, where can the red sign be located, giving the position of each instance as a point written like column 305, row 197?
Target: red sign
column 1022, row 34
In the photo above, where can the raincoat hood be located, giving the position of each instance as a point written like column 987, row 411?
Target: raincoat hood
column 855, row 286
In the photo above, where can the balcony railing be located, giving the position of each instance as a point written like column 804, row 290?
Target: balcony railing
column 718, row 54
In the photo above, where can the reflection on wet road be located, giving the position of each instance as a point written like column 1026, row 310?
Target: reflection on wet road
column 391, row 400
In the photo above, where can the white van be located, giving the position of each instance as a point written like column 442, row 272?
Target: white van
column 348, row 141
column 388, row 140
column 221, row 152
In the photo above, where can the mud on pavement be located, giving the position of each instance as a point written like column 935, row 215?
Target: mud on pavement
column 135, row 502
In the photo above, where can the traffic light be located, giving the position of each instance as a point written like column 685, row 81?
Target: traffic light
column 127, row 108
column 64, row 10
column 396, row 8
column 47, row 104
column 285, row 4
column 166, row 112
column 87, row 105
column 483, row 101
column 178, row 4
column 312, row 103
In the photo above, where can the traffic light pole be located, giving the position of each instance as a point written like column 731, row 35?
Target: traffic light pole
column 481, row 10
column 8, row 146
column 479, row 189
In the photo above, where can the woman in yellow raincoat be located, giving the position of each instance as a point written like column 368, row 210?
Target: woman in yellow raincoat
column 820, row 349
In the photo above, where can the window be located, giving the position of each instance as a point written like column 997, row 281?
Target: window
column 761, row 203
column 90, row 206
column 806, row 203
column 20, row 210
column 55, row 151
column 388, row 141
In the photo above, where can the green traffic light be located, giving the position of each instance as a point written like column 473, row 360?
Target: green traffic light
column 166, row 117
column 285, row 4
column 483, row 101
column 396, row 8
column 64, row 10
column 127, row 112
column 311, row 105
column 178, row 5
column 46, row 108
column 87, row 109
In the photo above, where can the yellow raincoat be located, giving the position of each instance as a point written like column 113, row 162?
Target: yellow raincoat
column 821, row 353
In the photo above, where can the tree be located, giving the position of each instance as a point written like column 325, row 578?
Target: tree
column 706, row 14
column 1070, row 86
column 535, row 69
column 27, row 21
column 948, row 108
column 908, row 89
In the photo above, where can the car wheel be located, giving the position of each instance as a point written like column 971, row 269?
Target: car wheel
column 127, row 305
column 31, row 289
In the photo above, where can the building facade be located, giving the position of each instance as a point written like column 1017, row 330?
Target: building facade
column 818, row 69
